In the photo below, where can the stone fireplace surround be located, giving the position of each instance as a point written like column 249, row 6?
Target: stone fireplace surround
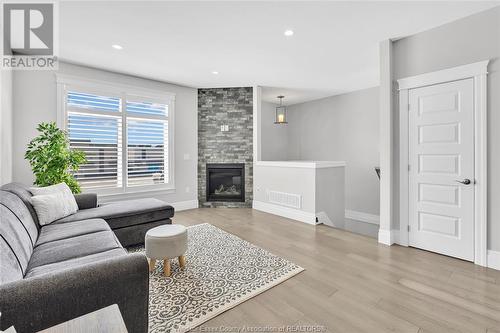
column 225, row 135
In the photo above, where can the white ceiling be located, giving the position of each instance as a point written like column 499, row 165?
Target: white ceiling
column 334, row 48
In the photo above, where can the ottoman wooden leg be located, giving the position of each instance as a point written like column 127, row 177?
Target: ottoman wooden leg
column 182, row 261
column 152, row 263
column 166, row 267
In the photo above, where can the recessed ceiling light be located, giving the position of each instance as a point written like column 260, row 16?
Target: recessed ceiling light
column 117, row 47
column 288, row 33
column 215, row 72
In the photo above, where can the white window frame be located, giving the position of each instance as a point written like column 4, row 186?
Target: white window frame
column 67, row 83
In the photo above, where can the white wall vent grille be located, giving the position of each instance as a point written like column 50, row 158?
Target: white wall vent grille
column 285, row 199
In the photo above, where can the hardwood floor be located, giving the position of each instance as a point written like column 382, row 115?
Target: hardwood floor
column 353, row 284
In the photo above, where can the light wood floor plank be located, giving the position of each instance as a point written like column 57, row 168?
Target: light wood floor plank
column 353, row 284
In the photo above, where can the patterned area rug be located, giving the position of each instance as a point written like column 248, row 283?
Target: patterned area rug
column 222, row 271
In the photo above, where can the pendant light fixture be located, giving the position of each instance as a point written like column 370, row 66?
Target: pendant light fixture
column 281, row 112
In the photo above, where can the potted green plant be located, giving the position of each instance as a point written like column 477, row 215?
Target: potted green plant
column 51, row 158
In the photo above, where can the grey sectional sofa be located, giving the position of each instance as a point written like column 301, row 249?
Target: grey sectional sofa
column 75, row 265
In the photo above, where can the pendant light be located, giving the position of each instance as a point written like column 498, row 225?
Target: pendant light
column 281, row 112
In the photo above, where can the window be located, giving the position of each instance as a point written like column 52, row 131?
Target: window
column 124, row 132
column 100, row 138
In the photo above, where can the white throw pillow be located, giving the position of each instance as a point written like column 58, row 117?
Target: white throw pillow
column 53, row 202
column 62, row 188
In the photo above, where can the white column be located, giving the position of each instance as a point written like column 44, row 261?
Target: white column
column 386, row 144
column 257, row 106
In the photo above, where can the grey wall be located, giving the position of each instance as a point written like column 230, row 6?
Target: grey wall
column 34, row 101
column 341, row 128
column 465, row 41
column 232, row 107
column 5, row 126
column 273, row 136
column 330, row 195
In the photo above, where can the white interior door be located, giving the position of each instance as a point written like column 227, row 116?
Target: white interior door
column 441, row 170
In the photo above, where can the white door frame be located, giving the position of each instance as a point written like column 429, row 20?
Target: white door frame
column 478, row 72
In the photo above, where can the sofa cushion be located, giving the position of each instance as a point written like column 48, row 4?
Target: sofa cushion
column 74, row 247
column 16, row 238
column 19, row 209
column 10, row 268
column 55, row 232
column 125, row 213
column 75, row 262
column 23, row 192
column 17, row 230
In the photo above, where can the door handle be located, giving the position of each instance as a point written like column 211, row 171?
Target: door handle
column 465, row 181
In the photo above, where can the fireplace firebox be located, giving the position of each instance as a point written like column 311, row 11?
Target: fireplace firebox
column 226, row 182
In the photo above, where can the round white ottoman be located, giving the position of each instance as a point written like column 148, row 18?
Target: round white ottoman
column 164, row 243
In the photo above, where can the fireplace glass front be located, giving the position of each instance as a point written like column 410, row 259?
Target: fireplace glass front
column 226, row 182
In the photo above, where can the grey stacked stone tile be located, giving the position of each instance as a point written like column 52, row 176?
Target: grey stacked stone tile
column 225, row 106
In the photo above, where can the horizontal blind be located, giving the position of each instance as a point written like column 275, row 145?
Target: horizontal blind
column 147, row 108
column 147, row 152
column 92, row 102
column 99, row 137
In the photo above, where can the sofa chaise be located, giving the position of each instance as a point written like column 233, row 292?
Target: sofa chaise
column 75, row 265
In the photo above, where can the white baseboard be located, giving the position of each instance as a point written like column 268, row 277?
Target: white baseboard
column 184, row 205
column 294, row 214
column 324, row 219
column 363, row 217
column 493, row 259
column 388, row 237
